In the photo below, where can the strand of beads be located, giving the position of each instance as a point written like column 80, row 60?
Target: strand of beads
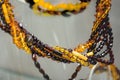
column 36, row 46
column 37, row 65
column 40, row 6
column 101, row 35
column 105, row 35
column 22, row 35
column 26, row 41
column 32, row 42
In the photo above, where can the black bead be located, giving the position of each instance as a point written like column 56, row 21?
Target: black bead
column 65, row 13
column 31, row 2
column 37, row 65
column 85, row 0
column 92, row 60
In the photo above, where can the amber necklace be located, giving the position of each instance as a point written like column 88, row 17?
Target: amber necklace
column 101, row 36
column 41, row 6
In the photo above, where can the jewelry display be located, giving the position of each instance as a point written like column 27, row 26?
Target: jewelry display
column 87, row 54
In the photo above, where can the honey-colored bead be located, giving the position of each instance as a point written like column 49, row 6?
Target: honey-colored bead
column 66, row 52
column 66, row 57
column 79, row 55
column 62, row 50
column 74, row 57
column 84, row 63
column 57, row 48
column 70, row 55
column 73, row 60
column 78, row 60
column 70, row 6
column 90, row 54
column 36, row 1
column 6, row 13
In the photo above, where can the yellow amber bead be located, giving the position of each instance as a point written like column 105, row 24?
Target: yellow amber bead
column 70, row 6
column 50, row 7
column 6, row 13
column 66, row 51
column 84, row 63
column 35, row 1
column 79, row 55
column 73, row 60
column 62, row 50
column 41, row 3
column 57, row 48
column 70, row 55
column 90, row 54
column 74, row 57
column 66, row 57
column 62, row 6
column 78, row 60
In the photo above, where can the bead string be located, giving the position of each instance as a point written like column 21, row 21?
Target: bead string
column 41, row 6
column 101, row 36
column 26, row 41
column 37, row 65
column 74, row 75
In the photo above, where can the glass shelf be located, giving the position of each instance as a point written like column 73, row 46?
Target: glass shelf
column 6, row 74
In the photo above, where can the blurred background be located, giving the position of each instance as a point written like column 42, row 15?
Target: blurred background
column 68, row 32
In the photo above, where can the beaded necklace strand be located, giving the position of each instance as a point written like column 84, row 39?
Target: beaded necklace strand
column 101, row 36
column 41, row 6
